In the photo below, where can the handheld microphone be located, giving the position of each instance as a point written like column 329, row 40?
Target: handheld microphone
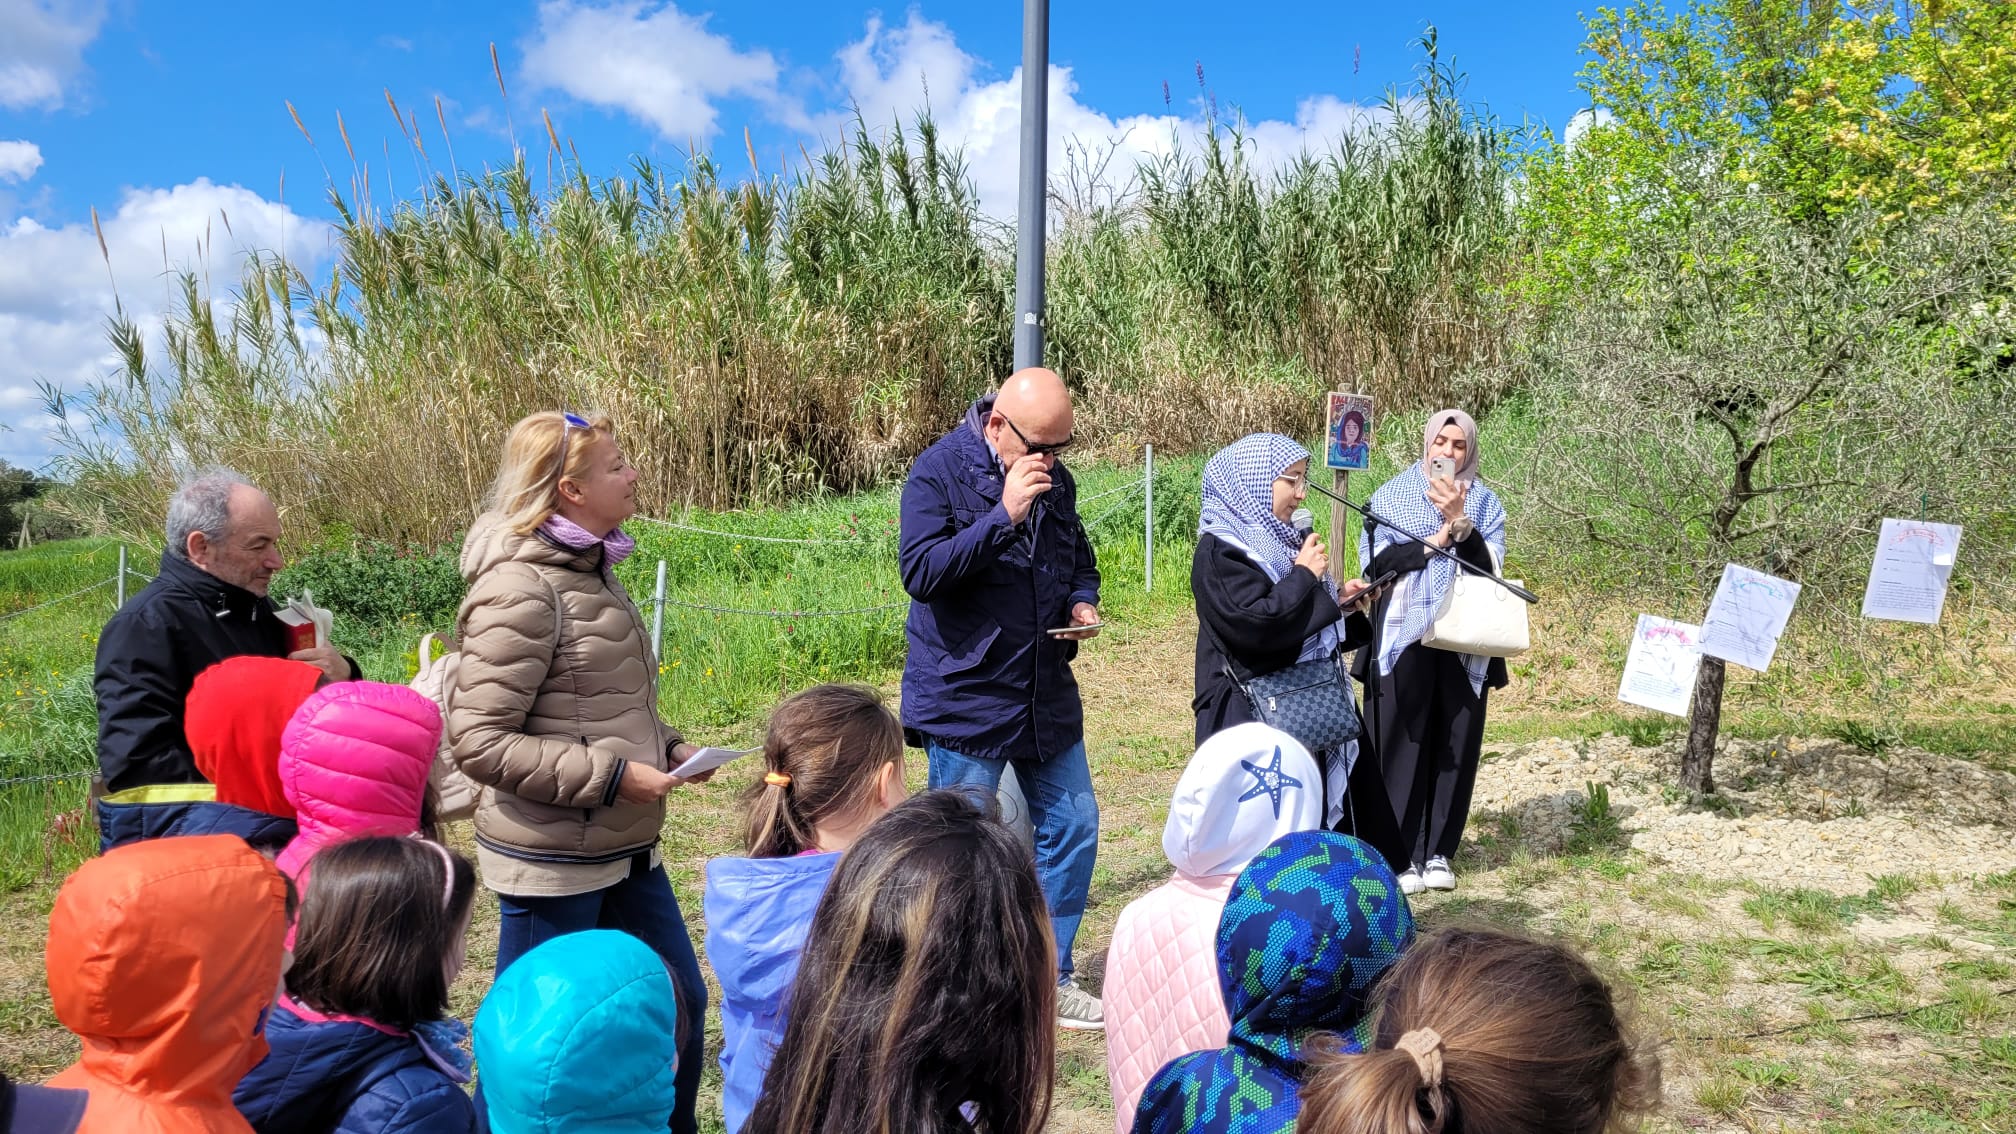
column 1304, row 523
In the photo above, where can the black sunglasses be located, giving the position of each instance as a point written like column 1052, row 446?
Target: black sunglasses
column 1046, row 450
column 568, row 424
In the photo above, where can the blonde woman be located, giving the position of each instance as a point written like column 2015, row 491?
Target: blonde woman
column 554, row 712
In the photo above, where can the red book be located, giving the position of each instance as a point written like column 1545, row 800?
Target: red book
column 300, row 629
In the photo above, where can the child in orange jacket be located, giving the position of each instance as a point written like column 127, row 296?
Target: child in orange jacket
column 164, row 958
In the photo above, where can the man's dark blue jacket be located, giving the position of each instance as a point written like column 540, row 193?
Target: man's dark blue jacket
column 149, row 654
column 982, row 678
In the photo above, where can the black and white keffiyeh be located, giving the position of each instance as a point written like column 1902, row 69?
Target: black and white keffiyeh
column 1239, row 509
column 1404, row 502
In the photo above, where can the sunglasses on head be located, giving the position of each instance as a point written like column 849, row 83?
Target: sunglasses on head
column 569, row 422
column 1049, row 449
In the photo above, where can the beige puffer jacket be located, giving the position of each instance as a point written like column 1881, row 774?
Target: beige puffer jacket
column 545, row 727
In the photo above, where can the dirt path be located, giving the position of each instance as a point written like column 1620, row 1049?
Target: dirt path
column 1828, row 884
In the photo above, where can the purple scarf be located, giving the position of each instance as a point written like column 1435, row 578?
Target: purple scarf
column 616, row 546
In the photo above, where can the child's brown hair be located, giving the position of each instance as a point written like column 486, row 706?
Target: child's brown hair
column 820, row 759
column 379, row 918
column 1482, row 1032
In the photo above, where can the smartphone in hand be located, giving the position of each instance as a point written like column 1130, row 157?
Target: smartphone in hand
column 1441, row 468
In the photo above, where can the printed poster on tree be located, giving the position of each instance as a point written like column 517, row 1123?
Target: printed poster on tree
column 1914, row 561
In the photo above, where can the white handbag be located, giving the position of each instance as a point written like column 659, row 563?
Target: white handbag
column 1478, row 616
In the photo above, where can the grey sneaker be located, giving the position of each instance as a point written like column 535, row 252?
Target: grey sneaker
column 1079, row 1010
column 1410, row 881
column 1437, row 875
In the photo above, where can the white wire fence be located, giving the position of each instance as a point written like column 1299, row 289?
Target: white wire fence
column 1138, row 492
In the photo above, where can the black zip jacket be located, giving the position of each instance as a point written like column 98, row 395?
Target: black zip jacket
column 149, row 654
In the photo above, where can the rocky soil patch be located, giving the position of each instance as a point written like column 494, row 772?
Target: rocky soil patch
column 1812, row 813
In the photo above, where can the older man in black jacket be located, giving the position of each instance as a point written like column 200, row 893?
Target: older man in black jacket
column 209, row 603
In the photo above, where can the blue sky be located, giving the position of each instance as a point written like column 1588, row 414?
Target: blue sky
column 172, row 119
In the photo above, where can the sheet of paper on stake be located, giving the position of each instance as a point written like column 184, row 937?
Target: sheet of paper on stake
column 1659, row 673
column 1749, row 613
column 708, row 759
column 1914, row 561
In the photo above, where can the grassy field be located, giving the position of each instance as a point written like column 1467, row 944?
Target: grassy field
column 1744, row 979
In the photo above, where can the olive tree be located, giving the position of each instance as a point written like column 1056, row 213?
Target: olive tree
column 1742, row 388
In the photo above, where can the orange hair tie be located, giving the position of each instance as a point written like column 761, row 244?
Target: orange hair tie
column 777, row 779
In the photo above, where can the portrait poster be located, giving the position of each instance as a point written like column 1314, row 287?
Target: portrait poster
column 1348, row 428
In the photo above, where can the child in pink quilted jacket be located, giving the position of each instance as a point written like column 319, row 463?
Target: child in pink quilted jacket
column 354, row 761
column 1246, row 786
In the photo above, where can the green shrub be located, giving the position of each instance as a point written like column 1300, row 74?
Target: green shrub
column 377, row 584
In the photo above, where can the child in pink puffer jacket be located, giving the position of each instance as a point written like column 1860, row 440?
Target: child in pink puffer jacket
column 354, row 762
column 1246, row 786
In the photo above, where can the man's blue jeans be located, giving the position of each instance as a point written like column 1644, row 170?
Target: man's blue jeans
column 643, row 906
column 1065, row 816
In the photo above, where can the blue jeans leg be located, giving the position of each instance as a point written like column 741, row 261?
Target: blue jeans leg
column 1066, row 818
column 643, row 906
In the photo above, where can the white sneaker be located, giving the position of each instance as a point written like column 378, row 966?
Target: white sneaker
column 1410, row 881
column 1437, row 875
column 1079, row 1010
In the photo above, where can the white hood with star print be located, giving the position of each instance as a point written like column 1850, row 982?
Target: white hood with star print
column 1245, row 787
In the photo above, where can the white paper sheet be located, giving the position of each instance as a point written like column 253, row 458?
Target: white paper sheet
column 1749, row 613
column 1659, row 673
column 1914, row 561
column 708, row 759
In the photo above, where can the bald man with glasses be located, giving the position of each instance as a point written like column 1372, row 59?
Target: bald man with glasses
column 999, row 571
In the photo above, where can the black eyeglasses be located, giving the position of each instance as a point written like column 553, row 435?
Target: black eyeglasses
column 1046, row 450
column 568, row 424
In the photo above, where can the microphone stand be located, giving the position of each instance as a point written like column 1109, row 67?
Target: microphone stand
column 1374, row 519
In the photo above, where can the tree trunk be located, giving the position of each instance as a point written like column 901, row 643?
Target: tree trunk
column 1697, row 763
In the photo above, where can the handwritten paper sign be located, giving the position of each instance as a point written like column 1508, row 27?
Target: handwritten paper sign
column 1914, row 561
column 1659, row 672
column 1748, row 615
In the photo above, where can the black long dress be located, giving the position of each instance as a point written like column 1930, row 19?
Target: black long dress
column 1257, row 626
column 1426, row 723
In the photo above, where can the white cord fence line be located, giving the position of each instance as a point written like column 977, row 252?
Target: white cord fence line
column 118, row 580
column 785, row 613
column 51, row 778
column 1144, row 483
column 97, row 586
column 753, row 538
column 1130, row 486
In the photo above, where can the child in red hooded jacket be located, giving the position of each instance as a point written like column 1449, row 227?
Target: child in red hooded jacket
column 234, row 715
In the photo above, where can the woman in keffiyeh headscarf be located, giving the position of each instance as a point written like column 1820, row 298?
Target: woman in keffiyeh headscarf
column 1265, row 601
column 1424, row 707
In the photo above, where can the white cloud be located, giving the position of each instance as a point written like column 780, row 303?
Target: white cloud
column 19, row 160
column 889, row 71
column 42, row 48
column 651, row 61
column 1583, row 121
column 56, row 291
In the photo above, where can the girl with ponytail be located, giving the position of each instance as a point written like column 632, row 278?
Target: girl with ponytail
column 1482, row 1032
column 833, row 764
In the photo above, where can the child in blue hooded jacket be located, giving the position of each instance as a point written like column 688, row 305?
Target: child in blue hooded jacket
column 580, row 1036
column 833, row 764
column 1313, row 922
column 362, row 1042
